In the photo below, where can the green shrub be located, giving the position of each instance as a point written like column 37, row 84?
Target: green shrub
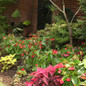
column 57, row 31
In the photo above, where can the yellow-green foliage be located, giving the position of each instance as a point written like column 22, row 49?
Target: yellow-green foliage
column 7, row 62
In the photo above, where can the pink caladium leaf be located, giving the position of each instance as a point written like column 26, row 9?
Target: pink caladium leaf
column 45, row 74
column 40, row 81
column 34, row 80
column 45, row 80
column 50, row 70
column 38, row 71
column 29, row 83
column 45, row 77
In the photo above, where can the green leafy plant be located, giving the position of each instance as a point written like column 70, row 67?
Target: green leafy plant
column 28, row 51
column 27, row 22
column 57, row 31
column 21, row 72
column 16, row 14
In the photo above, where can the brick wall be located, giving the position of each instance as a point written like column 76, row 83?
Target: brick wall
column 28, row 11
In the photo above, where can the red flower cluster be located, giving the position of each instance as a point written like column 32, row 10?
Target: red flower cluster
column 52, row 39
column 3, row 37
column 61, row 82
column 22, row 69
column 54, row 51
column 60, row 65
column 68, row 79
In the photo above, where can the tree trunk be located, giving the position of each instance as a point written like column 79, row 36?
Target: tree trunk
column 69, row 28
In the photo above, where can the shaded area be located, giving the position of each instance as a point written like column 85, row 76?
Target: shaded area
column 44, row 13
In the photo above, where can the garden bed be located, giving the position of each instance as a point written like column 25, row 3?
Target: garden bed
column 7, row 78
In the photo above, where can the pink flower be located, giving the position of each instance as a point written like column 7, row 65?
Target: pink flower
column 35, row 43
column 66, row 55
column 3, row 37
column 71, row 68
column 65, row 48
column 82, row 43
column 60, row 65
column 29, row 83
column 32, row 56
column 52, row 39
column 55, row 52
column 21, row 47
column 29, row 46
column 36, row 64
column 68, row 79
column 78, row 47
column 16, row 44
column 22, row 69
column 22, row 54
column 59, row 71
column 18, row 72
column 66, row 44
column 30, row 43
column 24, row 46
column 22, row 41
column 70, row 45
column 68, row 52
column 25, row 51
column 61, row 81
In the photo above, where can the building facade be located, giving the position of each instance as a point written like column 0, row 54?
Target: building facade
column 29, row 11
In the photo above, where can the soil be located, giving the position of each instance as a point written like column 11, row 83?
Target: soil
column 7, row 78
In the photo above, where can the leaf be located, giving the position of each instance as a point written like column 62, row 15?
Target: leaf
column 27, row 22
column 64, row 77
column 45, row 80
column 16, row 14
column 84, row 63
column 19, row 29
column 75, row 80
column 83, row 83
column 29, row 83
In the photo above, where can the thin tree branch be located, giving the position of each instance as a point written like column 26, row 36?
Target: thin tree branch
column 56, row 6
column 63, row 6
column 75, row 14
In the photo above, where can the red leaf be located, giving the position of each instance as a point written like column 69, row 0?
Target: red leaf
column 45, row 80
column 51, row 70
column 29, row 83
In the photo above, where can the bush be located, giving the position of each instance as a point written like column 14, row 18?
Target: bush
column 57, row 31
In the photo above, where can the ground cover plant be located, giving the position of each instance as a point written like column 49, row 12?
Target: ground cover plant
column 68, row 71
column 35, row 53
column 29, row 51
